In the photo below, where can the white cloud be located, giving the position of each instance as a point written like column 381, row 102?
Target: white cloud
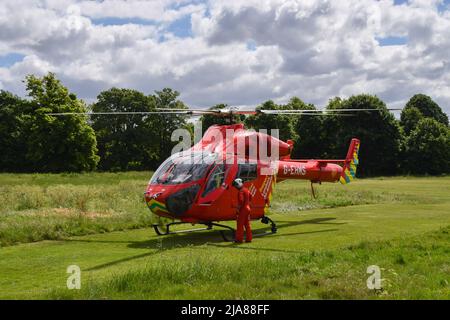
column 313, row 49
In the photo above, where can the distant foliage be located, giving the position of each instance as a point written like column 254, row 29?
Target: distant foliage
column 378, row 131
column 428, row 148
column 167, row 123
column 125, row 142
column 13, row 141
column 309, row 132
column 43, row 143
column 135, row 142
column 409, row 119
column 265, row 121
column 427, row 107
column 426, row 145
column 32, row 140
column 57, row 144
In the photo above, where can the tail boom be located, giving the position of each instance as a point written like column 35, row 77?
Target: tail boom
column 322, row 170
column 314, row 170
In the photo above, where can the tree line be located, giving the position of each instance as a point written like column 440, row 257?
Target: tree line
column 31, row 140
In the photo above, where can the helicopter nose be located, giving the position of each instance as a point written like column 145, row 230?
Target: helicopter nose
column 181, row 201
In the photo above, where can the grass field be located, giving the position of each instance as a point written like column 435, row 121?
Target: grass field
column 49, row 207
column 322, row 250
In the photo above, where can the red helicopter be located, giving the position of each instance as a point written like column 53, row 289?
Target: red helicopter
column 194, row 186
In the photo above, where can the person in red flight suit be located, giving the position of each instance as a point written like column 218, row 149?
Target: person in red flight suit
column 243, row 216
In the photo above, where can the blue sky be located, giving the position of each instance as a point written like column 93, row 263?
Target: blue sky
column 392, row 41
column 9, row 59
column 181, row 28
column 118, row 21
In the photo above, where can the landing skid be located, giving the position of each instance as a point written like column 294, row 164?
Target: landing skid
column 210, row 225
column 273, row 226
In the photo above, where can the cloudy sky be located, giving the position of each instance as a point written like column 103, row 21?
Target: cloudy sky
column 239, row 52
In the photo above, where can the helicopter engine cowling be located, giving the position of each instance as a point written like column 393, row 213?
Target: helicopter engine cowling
column 254, row 143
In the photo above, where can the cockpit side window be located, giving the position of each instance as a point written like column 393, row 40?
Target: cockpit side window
column 247, row 171
column 216, row 179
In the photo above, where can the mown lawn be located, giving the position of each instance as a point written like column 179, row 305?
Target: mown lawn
column 322, row 249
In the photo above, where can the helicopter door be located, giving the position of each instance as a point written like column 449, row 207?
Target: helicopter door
column 215, row 184
column 248, row 172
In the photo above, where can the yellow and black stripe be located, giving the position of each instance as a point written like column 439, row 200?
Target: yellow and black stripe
column 349, row 172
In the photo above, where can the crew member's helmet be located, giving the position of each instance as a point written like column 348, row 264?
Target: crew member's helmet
column 237, row 183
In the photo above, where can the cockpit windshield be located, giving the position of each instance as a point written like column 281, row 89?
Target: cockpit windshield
column 182, row 168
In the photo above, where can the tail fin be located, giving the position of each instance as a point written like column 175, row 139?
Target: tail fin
column 351, row 161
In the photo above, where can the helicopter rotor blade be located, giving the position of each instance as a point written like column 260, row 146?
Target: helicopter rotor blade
column 335, row 111
column 191, row 112
column 227, row 112
column 315, row 114
column 184, row 112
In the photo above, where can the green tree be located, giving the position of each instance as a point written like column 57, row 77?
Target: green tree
column 13, row 142
column 167, row 123
column 378, row 131
column 283, row 123
column 126, row 142
column 308, row 131
column 427, row 107
column 57, row 143
column 409, row 119
column 428, row 148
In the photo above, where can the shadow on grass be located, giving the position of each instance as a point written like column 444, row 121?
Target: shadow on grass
column 112, row 263
column 209, row 238
column 319, row 221
column 240, row 246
